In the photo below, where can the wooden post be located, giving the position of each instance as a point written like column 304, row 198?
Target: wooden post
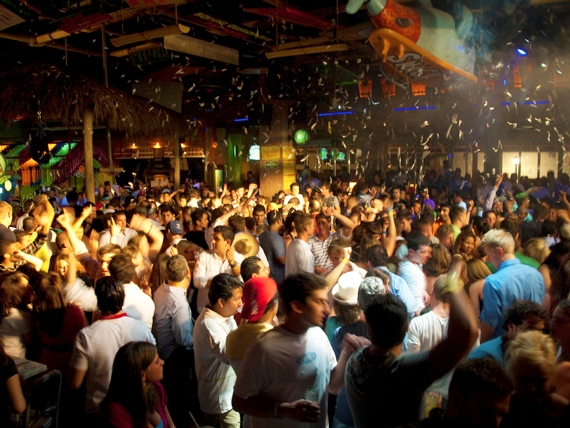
column 176, row 162
column 106, row 79
column 474, row 174
column 88, row 151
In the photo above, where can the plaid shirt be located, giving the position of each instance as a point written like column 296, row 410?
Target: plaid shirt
column 36, row 245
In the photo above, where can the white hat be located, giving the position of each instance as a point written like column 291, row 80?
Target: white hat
column 345, row 290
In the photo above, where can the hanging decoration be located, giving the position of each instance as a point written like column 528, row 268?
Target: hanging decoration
column 418, row 90
column 39, row 148
column 388, row 88
column 365, row 88
column 75, row 159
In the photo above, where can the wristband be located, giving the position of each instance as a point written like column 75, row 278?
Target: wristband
column 452, row 284
column 344, row 260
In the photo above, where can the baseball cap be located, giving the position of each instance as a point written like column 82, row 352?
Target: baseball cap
column 257, row 293
column 370, row 287
column 175, row 227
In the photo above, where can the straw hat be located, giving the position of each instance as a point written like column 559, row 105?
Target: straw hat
column 345, row 290
column 245, row 244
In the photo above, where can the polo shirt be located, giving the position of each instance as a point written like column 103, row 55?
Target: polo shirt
column 491, row 349
column 512, row 281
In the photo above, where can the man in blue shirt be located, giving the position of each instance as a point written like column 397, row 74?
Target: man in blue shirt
column 521, row 316
column 173, row 328
column 512, row 281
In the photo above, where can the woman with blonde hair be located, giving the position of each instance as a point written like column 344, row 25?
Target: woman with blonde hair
column 477, row 271
column 73, row 279
column 531, row 363
column 537, row 249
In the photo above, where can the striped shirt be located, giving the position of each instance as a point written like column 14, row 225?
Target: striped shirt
column 320, row 250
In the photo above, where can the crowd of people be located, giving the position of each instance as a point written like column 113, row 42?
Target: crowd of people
column 367, row 304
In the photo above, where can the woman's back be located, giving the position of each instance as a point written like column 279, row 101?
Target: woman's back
column 56, row 349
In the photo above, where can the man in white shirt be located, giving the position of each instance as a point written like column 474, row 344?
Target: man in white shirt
column 95, row 346
column 138, row 305
column 419, row 252
column 295, row 189
column 299, row 255
column 118, row 232
column 216, row 378
column 221, row 259
column 287, row 373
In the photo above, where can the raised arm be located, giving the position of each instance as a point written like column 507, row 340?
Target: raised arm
column 335, row 274
column 155, row 236
column 462, row 328
column 389, row 241
column 84, row 215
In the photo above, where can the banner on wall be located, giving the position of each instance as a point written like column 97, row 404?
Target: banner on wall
column 271, row 153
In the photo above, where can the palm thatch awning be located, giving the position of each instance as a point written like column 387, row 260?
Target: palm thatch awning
column 64, row 97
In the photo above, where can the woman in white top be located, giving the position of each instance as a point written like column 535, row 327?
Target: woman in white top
column 15, row 317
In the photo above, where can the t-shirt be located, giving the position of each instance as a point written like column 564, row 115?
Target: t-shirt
column 385, row 390
column 284, row 367
column 6, row 233
column 7, row 370
column 13, row 328
column 358, row 328
column 56, row 350
column 424, row 333
column 299, row 258
column 119, row 417
column 274, row 246
column 95, row 348
column 494, row 348
column 81, row 294
column 238, row 341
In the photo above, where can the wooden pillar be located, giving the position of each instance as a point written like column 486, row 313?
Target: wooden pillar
column 176, row 162
column 88, row 151
column 277, row 166
column 474, row 175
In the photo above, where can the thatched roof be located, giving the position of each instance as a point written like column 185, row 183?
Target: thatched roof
column 63, row 97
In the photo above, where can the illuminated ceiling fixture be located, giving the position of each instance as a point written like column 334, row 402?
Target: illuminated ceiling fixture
column 134, row 146
column 157, row 146
column 522, row 52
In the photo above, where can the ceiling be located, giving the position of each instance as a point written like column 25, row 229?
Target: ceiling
column 254, row 28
